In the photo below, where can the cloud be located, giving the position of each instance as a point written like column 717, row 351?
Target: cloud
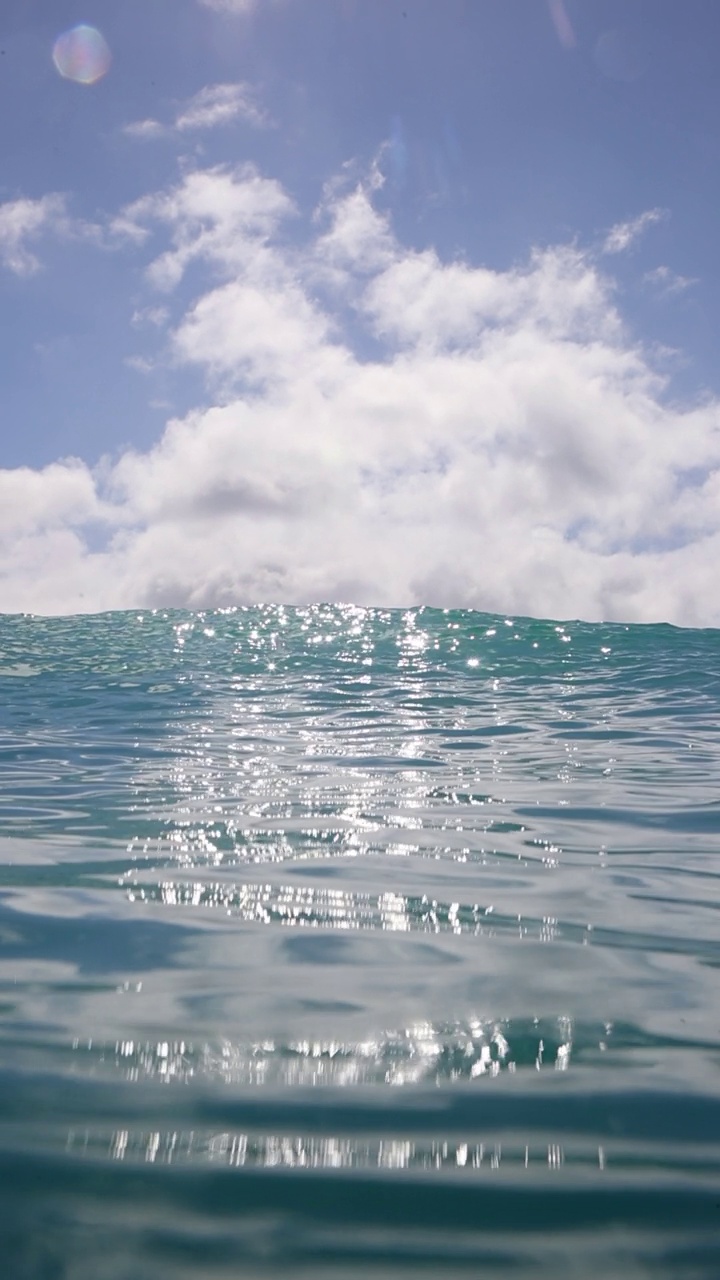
column 624, row 234
column 146, row 130
column 59, row 495
column 220, row 104
column 358, row 241
column 211, row 107
column 667, row 281
column 382, row 426
column 229, row 6
column 23, row 221
column 240, row 8
column 156, row 316
column 221, row 215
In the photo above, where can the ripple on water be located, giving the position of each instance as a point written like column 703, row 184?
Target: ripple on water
column 405, row 920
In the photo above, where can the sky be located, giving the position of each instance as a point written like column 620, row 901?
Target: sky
column 396, row 302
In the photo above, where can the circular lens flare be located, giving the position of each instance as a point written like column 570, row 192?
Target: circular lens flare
column 82, row 55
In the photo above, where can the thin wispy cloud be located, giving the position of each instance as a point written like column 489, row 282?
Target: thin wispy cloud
column 25, row 222
column 22, row 223
column 155, row 316
column 220, row 104
column 669, row 282
column 211, row 108
column 146, row 129
column 229, row 6
column 237, row 8
column 624, row 234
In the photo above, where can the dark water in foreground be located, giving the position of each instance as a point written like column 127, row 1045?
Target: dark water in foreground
column 340, row 943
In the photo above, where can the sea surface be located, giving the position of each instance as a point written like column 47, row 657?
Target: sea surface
column 339, row 942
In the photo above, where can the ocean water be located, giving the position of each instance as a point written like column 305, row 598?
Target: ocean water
column 339, row 942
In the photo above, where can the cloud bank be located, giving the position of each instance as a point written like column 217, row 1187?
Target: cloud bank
column 381, row 426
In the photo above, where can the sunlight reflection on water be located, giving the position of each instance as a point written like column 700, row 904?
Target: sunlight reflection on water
column 421, row 898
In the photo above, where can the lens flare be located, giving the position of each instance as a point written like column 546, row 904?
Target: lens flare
column 82, row 55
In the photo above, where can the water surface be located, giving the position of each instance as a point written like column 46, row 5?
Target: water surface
column 341, row 942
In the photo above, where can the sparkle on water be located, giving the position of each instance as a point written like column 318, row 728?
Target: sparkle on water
column 82, row 54
column 342, row 941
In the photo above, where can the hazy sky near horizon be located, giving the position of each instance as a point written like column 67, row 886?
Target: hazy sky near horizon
column 385, row 301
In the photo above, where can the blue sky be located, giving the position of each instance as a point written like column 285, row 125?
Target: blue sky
column 294, row 274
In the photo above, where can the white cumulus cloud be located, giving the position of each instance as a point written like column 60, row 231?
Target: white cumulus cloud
column 219, row 215
column 382, row 426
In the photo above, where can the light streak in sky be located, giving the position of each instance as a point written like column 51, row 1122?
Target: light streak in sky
column 562, row 23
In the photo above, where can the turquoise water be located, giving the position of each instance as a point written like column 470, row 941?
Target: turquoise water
column 340, row 942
